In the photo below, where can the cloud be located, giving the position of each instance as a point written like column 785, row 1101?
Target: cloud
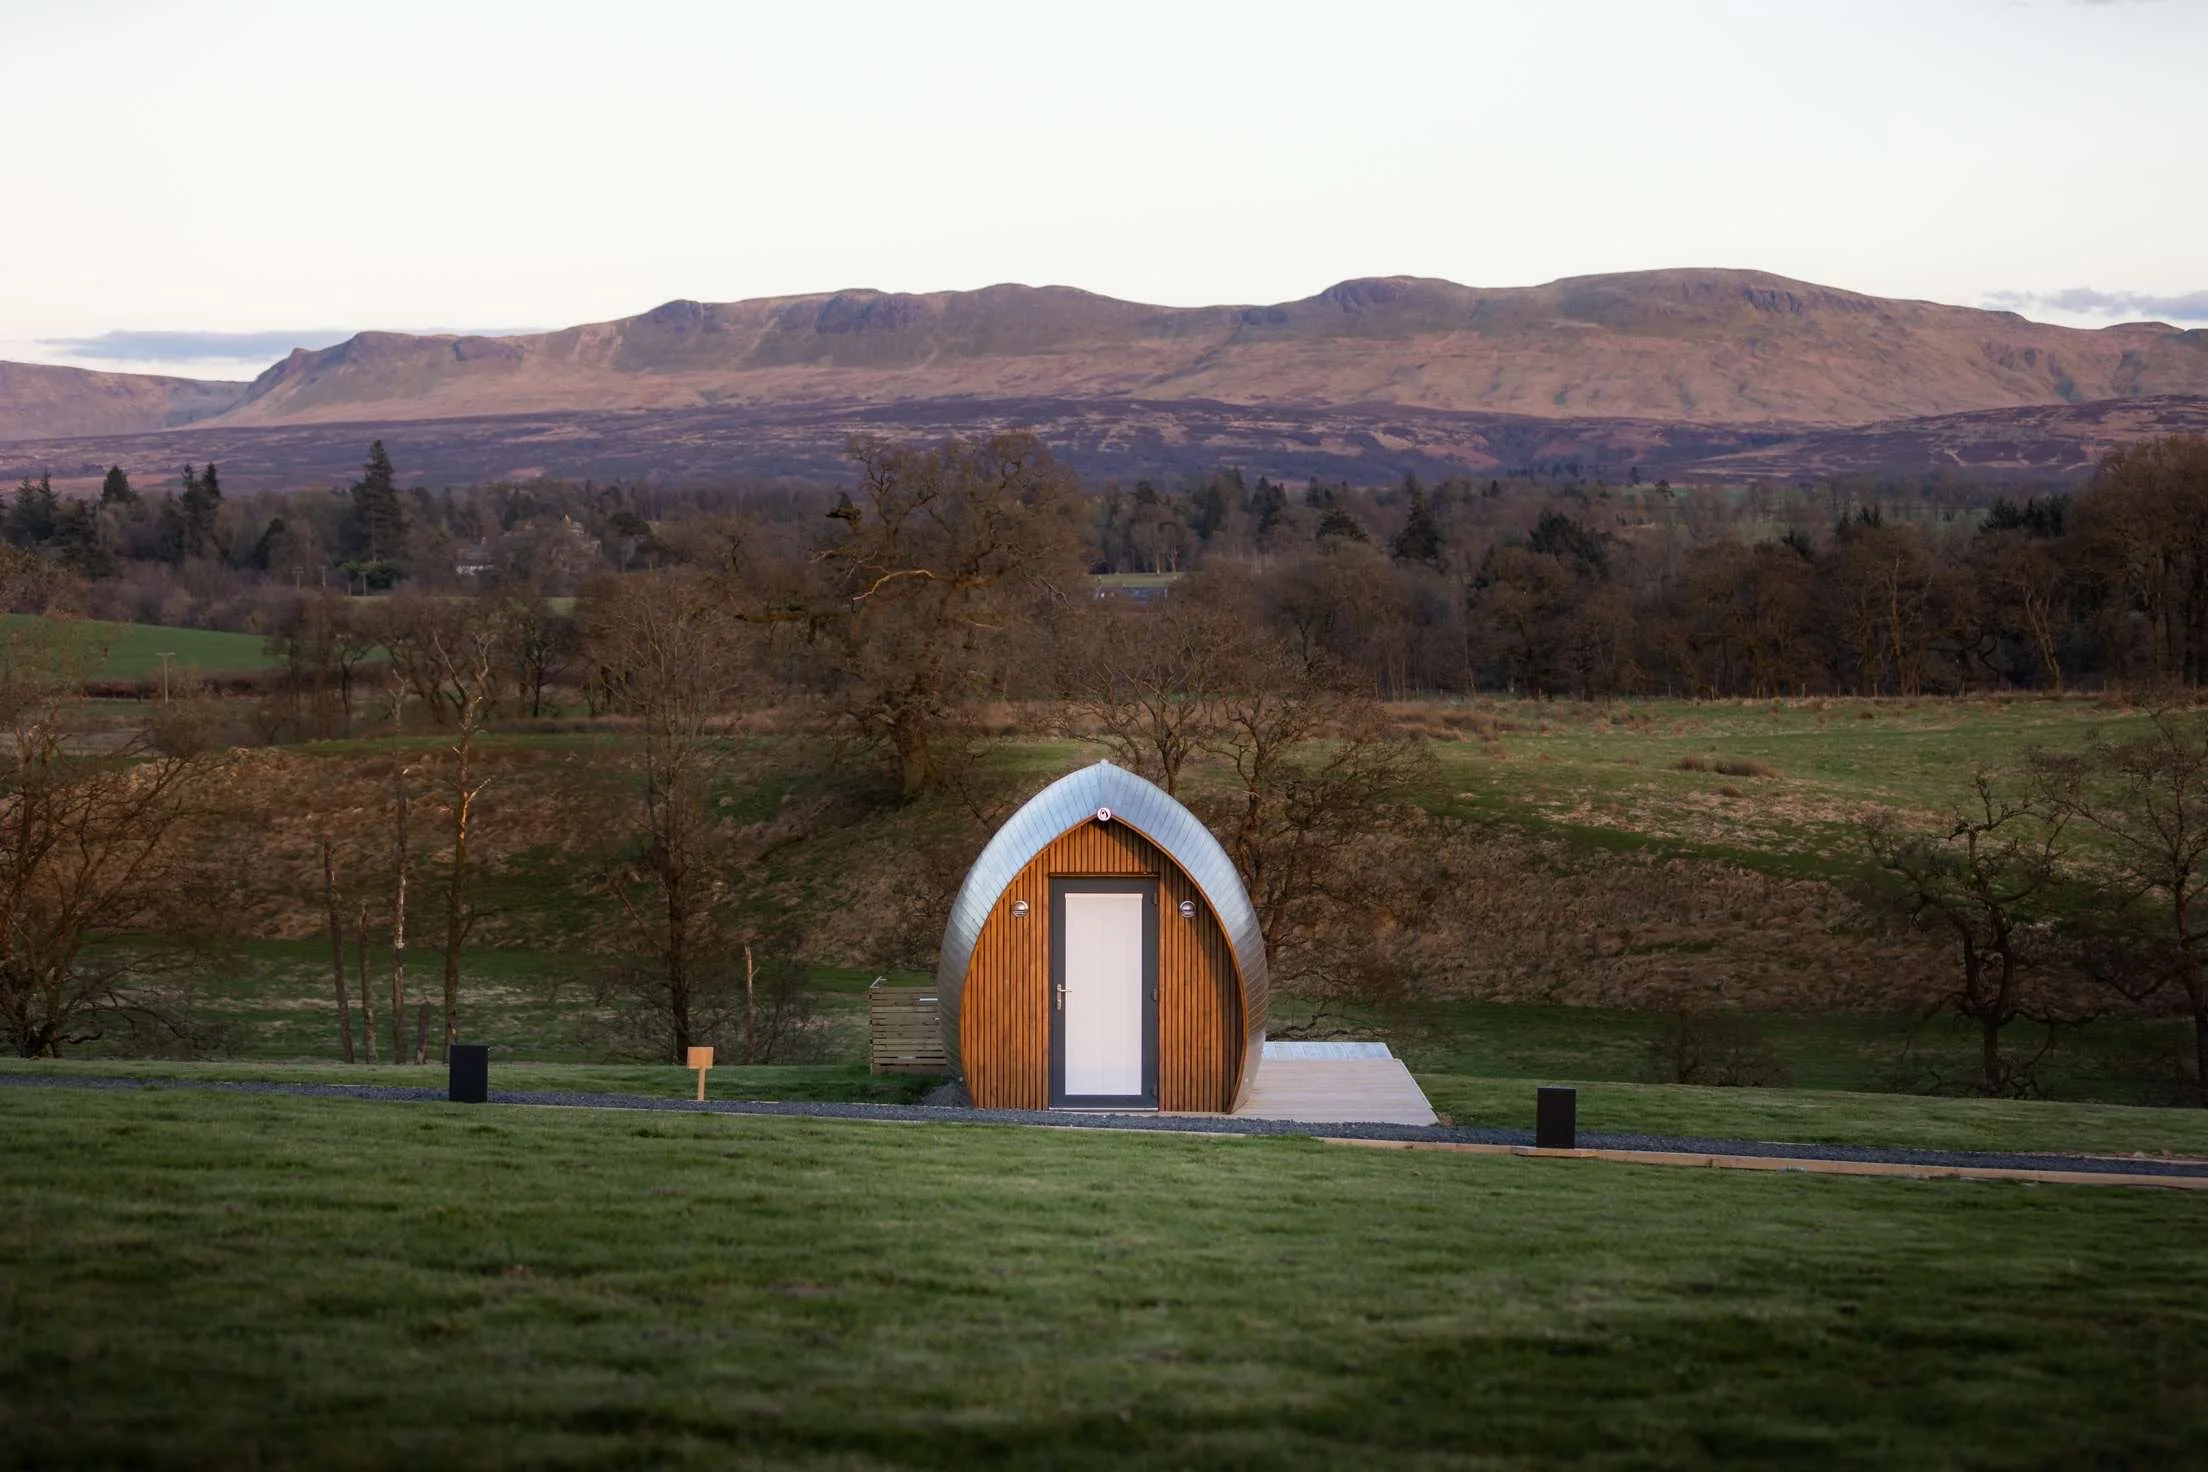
column 220, row 347
column 2191, row 306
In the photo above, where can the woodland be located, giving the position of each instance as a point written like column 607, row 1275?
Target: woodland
column 689, row 748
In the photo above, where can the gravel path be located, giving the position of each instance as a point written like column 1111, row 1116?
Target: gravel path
column 1175, row 1124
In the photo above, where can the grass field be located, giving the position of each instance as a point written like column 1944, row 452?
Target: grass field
column 1610, row 772
column 133, row 651
column 2123, row 1060
column 1798, row 1115
column 246, row 1281
column 272, row 999
column 795, row 1082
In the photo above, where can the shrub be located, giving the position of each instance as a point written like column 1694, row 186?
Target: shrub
column 1716, row 1050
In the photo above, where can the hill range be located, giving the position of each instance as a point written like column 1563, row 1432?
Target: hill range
column 1685, row 372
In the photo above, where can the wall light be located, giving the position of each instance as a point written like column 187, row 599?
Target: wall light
column 1188, row 909
column 1019, row 909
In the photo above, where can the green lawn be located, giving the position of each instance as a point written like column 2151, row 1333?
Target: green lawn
column 2115, row 1059
column 246, row 1281
column 1816, row 1116
column 272, row 999
column 1831, row 1117
column 133, row 651
column 795, row 1082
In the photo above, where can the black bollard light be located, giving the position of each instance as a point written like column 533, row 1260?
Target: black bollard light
column 470, row 1081
column 1556, row 1118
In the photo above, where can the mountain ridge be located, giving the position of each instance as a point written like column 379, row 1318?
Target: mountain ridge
column 1698, row 346
column 1688, row 345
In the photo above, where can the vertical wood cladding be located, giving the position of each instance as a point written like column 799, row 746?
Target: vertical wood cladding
column 1004, row 1019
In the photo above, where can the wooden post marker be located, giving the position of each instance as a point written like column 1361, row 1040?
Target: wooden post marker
column 701, row 1059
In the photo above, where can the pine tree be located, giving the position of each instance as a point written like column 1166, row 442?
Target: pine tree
column 376, row 529
column 258, row 558
column 1420, row 539
column 115, row 490
column 32, row 512
column 1269, row 505
column 1337, row 525
column 202, row 498
column 1557, row 535
column 77, row 537
column 168, row 531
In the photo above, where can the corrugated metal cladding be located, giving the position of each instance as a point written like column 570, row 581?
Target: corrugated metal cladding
column 994, row 974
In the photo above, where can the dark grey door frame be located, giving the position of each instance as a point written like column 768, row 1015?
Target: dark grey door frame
column 1148, row 889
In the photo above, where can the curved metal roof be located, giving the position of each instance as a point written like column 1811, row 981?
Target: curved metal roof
column 1150, row 811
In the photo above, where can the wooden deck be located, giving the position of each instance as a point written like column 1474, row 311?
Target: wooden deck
column 1337, row 1091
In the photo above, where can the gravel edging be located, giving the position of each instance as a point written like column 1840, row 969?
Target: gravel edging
column 1168, row 1124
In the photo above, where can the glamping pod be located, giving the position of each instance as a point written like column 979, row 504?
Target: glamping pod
column 1103, row 954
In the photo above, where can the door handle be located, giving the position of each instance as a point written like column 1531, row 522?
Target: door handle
column 1061, row 996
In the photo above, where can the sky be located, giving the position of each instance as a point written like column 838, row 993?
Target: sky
column 194, row 186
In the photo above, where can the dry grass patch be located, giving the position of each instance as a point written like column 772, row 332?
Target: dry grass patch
column 1725, row 766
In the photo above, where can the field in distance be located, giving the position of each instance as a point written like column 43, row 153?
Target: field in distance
column 133, row 651
column 1780, row 785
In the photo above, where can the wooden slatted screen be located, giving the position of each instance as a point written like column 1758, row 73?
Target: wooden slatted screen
column 905, row 1031
column 1004, row 1018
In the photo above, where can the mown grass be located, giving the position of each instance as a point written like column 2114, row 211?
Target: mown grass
column 1831, row 1117
column 797, row 1082
column 2118, row 1060
column 133, row 651
column 223, row 1280
column 273, row 999
column 1788, row 1115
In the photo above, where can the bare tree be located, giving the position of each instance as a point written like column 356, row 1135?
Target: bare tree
column 1987, row 884
column 319, row 644
column 367, row 993
column 400, row 861
column 96, row 844
column 467, row 659
column 2144, row 528
column 2145, row 800
column 674, row 648
column 1149, row 683
column 419, row 635
column 1314, row 813
column 2026, row 584
column 535, row 643
column 947, row 559
column 337, row 946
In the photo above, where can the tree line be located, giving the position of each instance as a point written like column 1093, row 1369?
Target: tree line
column 1539, row 585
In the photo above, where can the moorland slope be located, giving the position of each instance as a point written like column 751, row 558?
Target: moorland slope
column 42, row 401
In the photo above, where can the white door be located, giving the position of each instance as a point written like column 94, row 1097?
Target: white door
column 1103, row 1012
